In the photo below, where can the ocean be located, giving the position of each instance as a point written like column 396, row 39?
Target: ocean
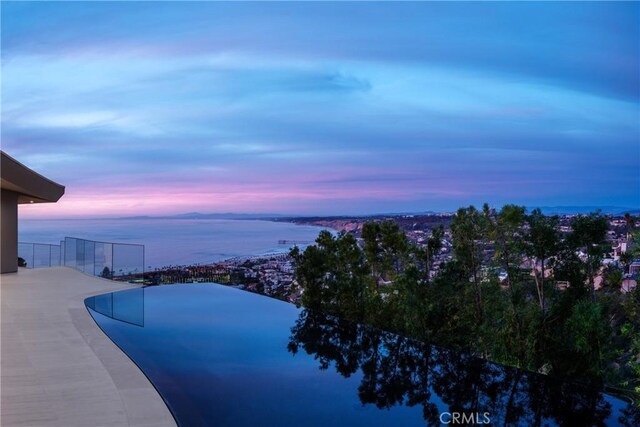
column 176, row 241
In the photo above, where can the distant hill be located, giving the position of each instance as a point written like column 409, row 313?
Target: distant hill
column 198, row 215
column 272, row 216
column 567, row 210
column 548, row 210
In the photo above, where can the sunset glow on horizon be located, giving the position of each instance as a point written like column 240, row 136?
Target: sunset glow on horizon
column 144, row 108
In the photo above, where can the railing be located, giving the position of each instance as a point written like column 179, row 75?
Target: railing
column 39, row 255
column 103, row 259
column 117, row 261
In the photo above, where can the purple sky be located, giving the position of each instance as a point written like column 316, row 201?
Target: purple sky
column 323, row 108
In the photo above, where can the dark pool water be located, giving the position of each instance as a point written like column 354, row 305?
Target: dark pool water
column 223, row 357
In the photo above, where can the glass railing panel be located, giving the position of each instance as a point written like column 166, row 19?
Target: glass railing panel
column 25, row 255
column 70, row 253
column 103, row 261
column 41, row 255
column 38, row 255
column 54, row 260
column 127, row 259
column 80, row 254
column 89, row 256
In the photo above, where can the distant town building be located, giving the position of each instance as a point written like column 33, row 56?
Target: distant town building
column 634, row 267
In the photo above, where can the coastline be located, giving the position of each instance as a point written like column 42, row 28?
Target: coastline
column 175, row 242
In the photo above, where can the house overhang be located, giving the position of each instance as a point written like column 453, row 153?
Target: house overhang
column 30, row 186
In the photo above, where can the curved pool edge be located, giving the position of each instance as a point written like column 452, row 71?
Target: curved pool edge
column 143, row 405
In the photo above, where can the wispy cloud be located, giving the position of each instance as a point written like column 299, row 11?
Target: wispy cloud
column 323, row 107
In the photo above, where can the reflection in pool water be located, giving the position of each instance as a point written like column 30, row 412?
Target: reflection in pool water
column 224, row 357
column 123, row 306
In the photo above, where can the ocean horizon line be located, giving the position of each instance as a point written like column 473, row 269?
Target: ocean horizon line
column 550, row 210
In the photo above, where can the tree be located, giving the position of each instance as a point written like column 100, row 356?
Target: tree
column 588, row 233
column 467, row 229
column 630, row 333
column 334, row 275
column 542, row 241
column 386, row 248
column 630, row 221
column 506, row 230
column 310, row 271
column 524, row 322
column 433, row 246
column 106, row 273
column 626, row 258
column 633, row 244
column 372, row 249
column 585, row 335
column 353, row 290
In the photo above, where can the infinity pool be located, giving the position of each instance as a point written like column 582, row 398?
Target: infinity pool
column 224, row 357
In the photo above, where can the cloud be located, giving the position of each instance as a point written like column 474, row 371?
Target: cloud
column 323, row 106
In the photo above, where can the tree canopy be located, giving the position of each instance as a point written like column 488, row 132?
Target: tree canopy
column 498, row 297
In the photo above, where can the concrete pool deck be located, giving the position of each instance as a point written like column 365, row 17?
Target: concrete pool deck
column 57, row 368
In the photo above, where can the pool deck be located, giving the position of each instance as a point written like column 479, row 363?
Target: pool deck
column 57, row 368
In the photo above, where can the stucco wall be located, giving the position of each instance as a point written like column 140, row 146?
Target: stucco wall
column 9, row 232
